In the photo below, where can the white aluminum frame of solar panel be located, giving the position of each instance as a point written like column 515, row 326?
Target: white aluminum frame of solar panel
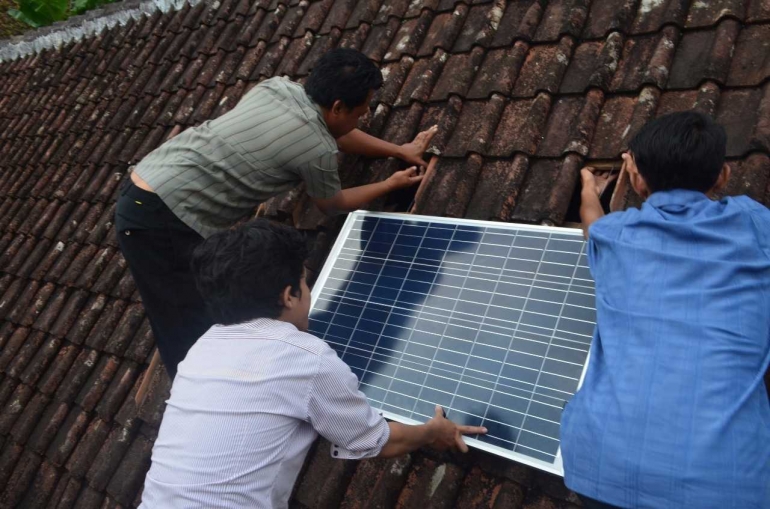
column 522, row 235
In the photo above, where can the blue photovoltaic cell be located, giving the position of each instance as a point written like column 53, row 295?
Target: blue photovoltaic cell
column 491, row 321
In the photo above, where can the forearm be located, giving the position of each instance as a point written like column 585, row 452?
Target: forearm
column 405, row 439
column 354, row 198
column 360, row 143
column 590, row 209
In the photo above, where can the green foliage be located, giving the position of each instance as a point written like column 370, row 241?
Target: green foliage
column 37, row 13
column 81, row 6
column 20, row 16
column 10, row 26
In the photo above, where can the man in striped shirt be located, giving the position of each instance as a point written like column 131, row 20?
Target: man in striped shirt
column 210, row 177
column 255, row 390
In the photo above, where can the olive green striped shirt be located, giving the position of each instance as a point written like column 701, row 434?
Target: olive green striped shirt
column 214, row 175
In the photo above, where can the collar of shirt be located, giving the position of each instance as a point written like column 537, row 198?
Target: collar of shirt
column 307, row 99
column 317, row 108
column 268, row 324
column 681, row 197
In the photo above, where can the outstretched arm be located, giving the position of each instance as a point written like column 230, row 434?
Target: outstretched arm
column 439, row 433
column 595, row 183
column 354, row 198
column 339, row 412
column 590, row 203
column 358, row 142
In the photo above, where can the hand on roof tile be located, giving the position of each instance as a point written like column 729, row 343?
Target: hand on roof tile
column 404, row 178
column 595, row 182
column 412, row 152
column 597, row 179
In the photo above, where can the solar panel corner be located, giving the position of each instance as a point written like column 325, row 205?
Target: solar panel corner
column 491, row 320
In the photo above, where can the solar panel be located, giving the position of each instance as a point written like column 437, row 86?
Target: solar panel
column 492, row 321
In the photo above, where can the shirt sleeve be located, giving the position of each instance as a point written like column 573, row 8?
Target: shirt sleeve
column 321, row 176
column 593, row 250
column 339, row 412
column 601, row 234
column 760, row 217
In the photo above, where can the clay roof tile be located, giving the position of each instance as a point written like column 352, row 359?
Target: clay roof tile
column 47, row 352
column 86, row 449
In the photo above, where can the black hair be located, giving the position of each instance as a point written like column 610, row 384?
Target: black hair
column 241, row 272
column 684, row 150
column 343, row 74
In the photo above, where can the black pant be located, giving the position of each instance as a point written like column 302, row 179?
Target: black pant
column 157, row 246
column 589, row 503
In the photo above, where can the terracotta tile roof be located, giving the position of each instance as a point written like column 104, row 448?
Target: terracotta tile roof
column 525, row 93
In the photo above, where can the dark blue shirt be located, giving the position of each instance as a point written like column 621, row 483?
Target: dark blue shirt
column 673, row 410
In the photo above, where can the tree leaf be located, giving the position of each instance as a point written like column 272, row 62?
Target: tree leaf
column 81, row 6
column 44, row 12
column 56, row 10
column 17, row 14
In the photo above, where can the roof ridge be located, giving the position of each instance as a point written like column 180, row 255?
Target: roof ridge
column 86, row 25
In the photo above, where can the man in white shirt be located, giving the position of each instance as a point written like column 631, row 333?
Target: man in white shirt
column 255, row 391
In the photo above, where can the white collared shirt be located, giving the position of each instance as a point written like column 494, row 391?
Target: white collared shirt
column 246, row 405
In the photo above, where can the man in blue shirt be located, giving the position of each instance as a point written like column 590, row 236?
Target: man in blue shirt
column 673, row 411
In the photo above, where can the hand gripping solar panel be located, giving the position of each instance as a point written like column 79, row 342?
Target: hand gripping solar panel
column 492, row 321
